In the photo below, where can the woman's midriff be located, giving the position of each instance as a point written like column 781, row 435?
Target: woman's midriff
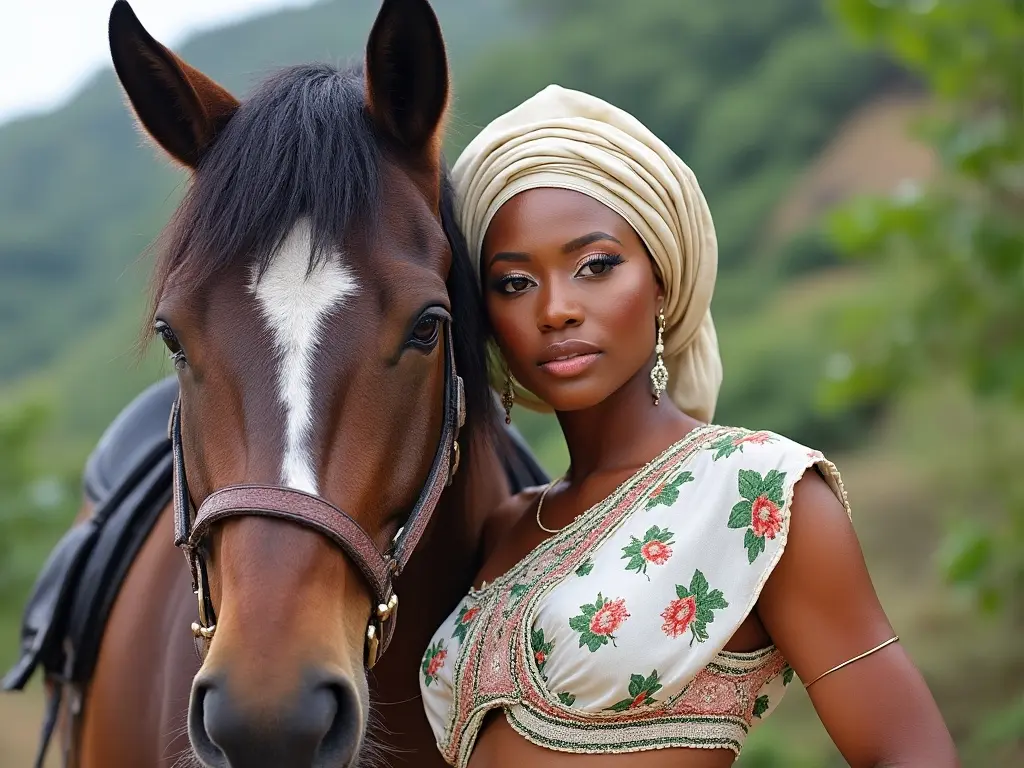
column 499, row 746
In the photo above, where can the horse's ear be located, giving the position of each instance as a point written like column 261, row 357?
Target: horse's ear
column 180, row 107
column 407, row 75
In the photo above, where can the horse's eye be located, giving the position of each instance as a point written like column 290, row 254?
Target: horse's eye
column 171, row 342
column 426, row 331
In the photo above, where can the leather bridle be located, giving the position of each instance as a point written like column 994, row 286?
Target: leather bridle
column 379, row 570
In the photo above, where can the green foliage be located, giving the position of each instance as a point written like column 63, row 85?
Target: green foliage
column 958, row 245
column 960, row 239
column 808, row 251
column 964, row 234
column 36, row 500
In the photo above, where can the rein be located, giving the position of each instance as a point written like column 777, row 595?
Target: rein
column 316, row 513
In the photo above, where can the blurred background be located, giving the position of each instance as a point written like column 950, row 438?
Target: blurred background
column 864, row 160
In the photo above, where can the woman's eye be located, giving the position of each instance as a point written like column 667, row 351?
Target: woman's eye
column 426, row 330
column 515, row 284
column 601, row 265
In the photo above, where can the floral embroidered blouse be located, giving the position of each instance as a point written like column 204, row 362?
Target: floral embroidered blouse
column 609, row 637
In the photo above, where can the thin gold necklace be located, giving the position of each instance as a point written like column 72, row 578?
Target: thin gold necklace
column 540, row 505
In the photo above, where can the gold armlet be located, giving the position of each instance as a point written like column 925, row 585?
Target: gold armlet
column 836, row 668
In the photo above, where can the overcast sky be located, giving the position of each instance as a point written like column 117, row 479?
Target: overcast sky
column 49, row 47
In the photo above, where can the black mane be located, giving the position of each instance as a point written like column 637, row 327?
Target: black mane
column 304, row 145
column 301, row 145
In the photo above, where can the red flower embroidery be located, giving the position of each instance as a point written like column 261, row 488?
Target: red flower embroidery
column 766, row 517
column 638, row 700
column 436, row 662
column 756, row 438
column 541, row 657
column 656, row 552
column 609, row 618
column 469, row 615
column 678, row 616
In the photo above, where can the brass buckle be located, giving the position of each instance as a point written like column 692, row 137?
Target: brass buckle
column 457, row 457
column 202, row 629
column 375, row 631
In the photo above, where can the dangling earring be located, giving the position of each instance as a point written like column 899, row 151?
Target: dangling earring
column 508, row 396
column 659, row 374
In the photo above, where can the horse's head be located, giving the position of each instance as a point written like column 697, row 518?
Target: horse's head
column 305, row 289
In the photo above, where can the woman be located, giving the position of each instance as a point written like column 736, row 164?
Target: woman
column 654, row 603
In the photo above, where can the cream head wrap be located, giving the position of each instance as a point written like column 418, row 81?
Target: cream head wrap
column 572, row 140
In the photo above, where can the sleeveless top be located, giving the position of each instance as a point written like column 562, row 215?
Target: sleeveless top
column 609, row 636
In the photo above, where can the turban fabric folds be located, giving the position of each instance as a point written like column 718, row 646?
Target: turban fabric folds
column 571, row 140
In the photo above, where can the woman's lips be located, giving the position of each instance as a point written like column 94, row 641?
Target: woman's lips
column 570, row 365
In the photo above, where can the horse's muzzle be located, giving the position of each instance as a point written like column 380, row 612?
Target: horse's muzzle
column 320, row 726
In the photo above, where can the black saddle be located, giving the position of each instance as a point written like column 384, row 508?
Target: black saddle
column 127, row 478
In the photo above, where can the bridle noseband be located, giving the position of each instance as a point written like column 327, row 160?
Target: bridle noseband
column 310, row 511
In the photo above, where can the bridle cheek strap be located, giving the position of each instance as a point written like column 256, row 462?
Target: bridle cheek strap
column 320, row 515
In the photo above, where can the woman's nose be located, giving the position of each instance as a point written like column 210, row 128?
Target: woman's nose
column 558, row 308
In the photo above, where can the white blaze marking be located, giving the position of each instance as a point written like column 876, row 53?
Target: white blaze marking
column 295, row 306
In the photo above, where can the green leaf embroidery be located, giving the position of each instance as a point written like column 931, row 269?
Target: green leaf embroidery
column 787, row 675
column 598, row 622
column 761, row 496
column 567, row 699
column 727, row 445
column 724, row 447
column 641, row 693
column 640, row 553
column 585, row 568
column 755, row 549
column 772, row 485
column 715, row 601
column 694, row 609
column 541, row 650
column 516, row 592
column 741, row 515
column 749, row 538
column 433, row 660
column 760, row 706
column 465, row 619
column 750, row 484
column 699, row 585
column 668, row 493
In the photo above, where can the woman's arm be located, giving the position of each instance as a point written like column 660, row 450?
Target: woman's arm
column 820, row 608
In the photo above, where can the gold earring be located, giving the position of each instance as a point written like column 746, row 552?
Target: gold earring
column 659, row 374
column 508, row 396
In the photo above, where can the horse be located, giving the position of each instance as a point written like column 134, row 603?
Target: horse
column 326, row 330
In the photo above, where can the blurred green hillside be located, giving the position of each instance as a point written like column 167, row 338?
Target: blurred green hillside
column 781, row 113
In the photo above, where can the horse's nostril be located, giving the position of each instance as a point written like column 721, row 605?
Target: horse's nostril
column 341, row 742
column 319, row 727
column 206, row 750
